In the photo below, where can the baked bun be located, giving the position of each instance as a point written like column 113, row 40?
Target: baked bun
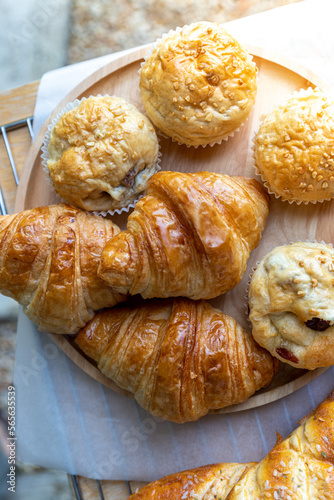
column 102, row 153
column 294, row 148
column 198, row 85
column 291, row 302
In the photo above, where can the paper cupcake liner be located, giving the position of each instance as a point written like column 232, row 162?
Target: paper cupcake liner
column 150, row 51
column 253, row 269
column 259, row 174
column 45, row 157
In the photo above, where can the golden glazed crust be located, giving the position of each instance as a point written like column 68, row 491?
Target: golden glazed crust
column 209, row 482
column 298, row 468
column 294, row 148
column 180, row 358
column 102, row 154
column 190, row 236
column 48, row 263
column 198, row 85
column 291, row 301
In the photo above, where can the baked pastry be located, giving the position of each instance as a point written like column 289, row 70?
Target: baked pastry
column 48, row 263
column 190, row 236
column 199, row 84
column 180, row 358
column 209, row 482
column 294, row 148
column 299, row 468
column 291, row 303
column 102, row 153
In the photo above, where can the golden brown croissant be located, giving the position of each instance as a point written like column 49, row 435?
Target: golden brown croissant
column 180, row 358
column 299, row 468
column 48, row 263
column 190, row 236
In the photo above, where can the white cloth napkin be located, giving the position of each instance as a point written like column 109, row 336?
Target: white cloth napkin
column 68, row 421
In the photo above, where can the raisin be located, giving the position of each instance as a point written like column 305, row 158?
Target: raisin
column 129, row 180
column 285, row 354
column 317, row 324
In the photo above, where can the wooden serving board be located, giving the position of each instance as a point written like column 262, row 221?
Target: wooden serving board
column 277, row 77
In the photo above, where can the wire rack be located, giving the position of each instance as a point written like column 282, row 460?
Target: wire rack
column 4, row 131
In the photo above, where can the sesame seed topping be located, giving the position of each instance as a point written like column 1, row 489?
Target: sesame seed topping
column 300, row 293
column 318, row 447
column 176, row 85
column 324, row 185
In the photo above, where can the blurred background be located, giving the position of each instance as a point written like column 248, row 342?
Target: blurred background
column 40, row 35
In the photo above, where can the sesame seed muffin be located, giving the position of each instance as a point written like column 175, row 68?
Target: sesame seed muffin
column 291, row 303
column 198, row 85
column 294, row 148
column 102, row 153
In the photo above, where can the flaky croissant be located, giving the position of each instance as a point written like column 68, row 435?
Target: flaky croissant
column 299, row 468
column 180, row 358
column 48, row 263
column 190, row 236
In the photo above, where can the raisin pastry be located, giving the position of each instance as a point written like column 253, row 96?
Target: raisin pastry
column 294, row 148
column 199, row 84
column 102, row 153
column 291, row 302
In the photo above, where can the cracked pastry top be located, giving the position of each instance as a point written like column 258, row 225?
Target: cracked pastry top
column 294, row 148
column 291, row 303
column 199, row 84
column 102, row 153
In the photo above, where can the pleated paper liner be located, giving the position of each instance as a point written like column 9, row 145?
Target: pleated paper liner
column 45, row 157
column 150, row 52
column 298, row 93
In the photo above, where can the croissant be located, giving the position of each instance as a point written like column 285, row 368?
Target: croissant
column 180, row 358
column 299, row 468
column 190, row 236
column 48, row 263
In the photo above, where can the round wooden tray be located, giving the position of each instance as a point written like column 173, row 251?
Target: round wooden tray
column 277, row 77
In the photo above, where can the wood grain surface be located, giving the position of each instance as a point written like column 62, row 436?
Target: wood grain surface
column 277, row 77
column 18, row 103
column 15, row 104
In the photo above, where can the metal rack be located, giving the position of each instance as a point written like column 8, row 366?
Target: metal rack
column 4, row 130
